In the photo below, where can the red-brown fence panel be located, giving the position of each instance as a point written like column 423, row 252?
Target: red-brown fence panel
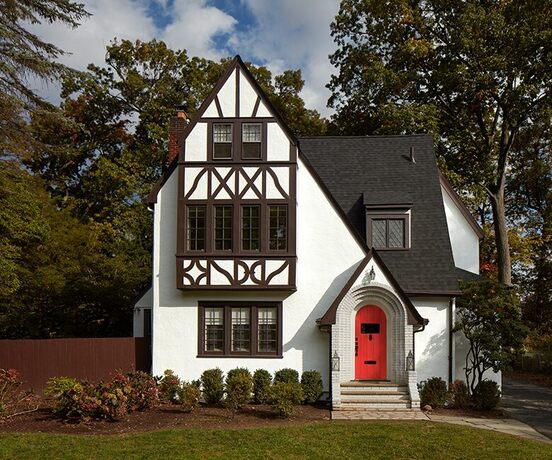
column 92, row 359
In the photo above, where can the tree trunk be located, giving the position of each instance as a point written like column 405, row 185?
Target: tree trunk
column 501, row 236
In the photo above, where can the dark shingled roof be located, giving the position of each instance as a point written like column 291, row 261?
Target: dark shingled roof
column 354, row 167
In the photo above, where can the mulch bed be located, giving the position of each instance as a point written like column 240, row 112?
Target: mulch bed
column 164, row 417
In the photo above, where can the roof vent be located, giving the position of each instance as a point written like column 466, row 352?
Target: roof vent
column 412, row 159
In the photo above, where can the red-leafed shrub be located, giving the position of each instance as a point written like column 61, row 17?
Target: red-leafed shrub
column 13, row 399
column 143, row 391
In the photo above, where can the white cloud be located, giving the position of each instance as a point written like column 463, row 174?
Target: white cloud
column 286, row 34
column 194, row 25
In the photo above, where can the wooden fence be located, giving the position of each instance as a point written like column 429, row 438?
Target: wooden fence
column 92, row 359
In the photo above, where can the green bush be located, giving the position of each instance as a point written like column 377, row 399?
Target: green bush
column 434, row 392
column 284, row 396
column 486, row 395
column 168, row 386
column 144, row 393
column 188, row 395
column 311, row 383
column 238, row 389
column 81, row 402
column 213, row 386
column 286, row 376
column 57, row 385
column 261, row 386
column 238, row 371
column 458, row 395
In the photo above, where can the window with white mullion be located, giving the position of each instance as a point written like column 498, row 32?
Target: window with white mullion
column 267, row 329
column 241, row 330
column 214, row 329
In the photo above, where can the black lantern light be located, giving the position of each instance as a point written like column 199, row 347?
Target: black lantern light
column 410, row 361
column 335, row 362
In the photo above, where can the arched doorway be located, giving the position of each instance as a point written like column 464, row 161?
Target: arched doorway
column 370, row 343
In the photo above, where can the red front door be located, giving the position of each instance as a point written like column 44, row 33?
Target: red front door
column 370, row 344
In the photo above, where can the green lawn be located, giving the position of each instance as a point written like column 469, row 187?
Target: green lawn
column 325, row 440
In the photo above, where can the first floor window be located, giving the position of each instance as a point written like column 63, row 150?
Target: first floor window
column 214, row 329
column 388, row 233
column 240, row 329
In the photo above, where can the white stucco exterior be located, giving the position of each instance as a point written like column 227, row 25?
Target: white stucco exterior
column 463, row 238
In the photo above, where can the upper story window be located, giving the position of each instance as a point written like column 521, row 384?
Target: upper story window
column 250, row 232
column 223, row 228
column 251, row 141
column 278, row 224
column 222, row 141
column 195, row 228
column 388, row 231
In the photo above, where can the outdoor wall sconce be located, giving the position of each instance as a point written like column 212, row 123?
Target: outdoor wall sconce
column 335, row 362
column 410, row 361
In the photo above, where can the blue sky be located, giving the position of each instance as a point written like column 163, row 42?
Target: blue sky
column 280, row 34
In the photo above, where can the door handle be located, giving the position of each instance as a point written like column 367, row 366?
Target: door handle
column 356, row 346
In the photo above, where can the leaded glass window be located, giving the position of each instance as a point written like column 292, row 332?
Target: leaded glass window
column 241, row 329
column 267, row 329
column 379, row 233
column 195, row 226
column 214, row 329
column 388, row 233
column 395, row 233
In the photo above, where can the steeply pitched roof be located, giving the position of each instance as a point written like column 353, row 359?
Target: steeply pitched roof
column 352, row 167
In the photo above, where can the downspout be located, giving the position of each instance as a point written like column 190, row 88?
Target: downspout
column 451, row 313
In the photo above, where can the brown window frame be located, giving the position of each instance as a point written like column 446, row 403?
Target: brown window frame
column 188, row 228
column 370, row 218
column 260, row 142
column 231, row 143
column 227, row 325
column 259, row 228
column 214, row 227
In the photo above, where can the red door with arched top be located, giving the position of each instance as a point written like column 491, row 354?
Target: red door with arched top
column 370, row 344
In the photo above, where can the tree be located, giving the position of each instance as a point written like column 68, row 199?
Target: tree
column 474, row 73
column 489, row 317
column 23, row 55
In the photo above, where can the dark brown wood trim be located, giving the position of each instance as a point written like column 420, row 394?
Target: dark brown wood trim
column 256, row 107
column 460, row 204
column 227, row 306
column 219, row 108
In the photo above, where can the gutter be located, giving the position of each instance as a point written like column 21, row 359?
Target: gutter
column 451, row 312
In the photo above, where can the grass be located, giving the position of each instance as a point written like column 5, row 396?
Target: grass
column 323, row 440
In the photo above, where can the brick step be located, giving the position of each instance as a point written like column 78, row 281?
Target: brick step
column 375, row 405
column 375, row 398
column 368, row 386
column 372, row 392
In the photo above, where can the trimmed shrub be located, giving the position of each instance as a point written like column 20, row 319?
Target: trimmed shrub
column 188, row 395
column 311, row 383
column 261, row 386
column 458, row 395
column 286, row 376
column 213, row 386
column 238, row 371
column 143, row 391
column 284, row 396
column 238, row 389
column 57, row 385
column 486, row 395
column 168, row 386
column 434, row 392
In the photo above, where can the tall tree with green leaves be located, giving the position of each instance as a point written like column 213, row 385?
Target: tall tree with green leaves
column 475, row 73
column 24, row 55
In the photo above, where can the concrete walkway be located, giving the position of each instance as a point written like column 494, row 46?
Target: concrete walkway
column 528, row 403
column 506, row 425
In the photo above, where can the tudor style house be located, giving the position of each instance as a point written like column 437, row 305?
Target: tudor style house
column 340, row 254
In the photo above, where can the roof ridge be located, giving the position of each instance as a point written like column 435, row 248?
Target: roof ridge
column 367, row 136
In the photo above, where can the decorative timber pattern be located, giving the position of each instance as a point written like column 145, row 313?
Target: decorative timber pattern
column 240, row 273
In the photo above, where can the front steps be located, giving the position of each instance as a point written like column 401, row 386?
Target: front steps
column 373, row 396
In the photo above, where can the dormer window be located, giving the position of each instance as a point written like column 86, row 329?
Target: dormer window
column 222, row 141
column 388, row 219
column 388, row 233
column 251, row 141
